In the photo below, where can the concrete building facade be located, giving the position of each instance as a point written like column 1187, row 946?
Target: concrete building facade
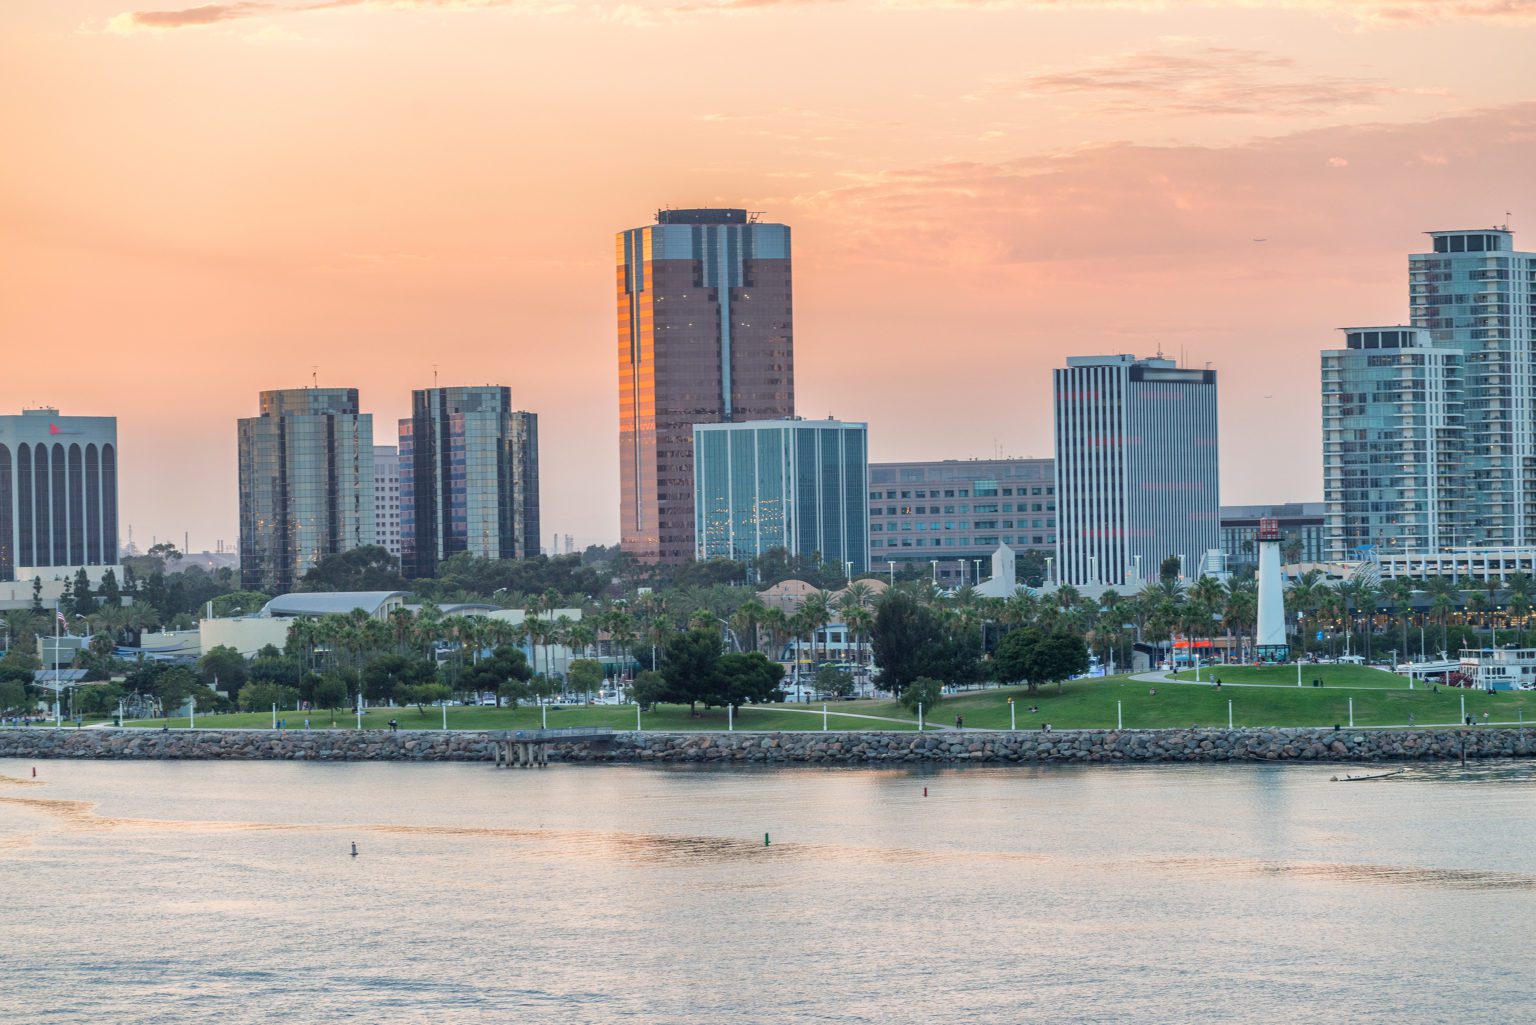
column 956, row 512
column 386, row 498
column 58, row 492
column 705, row 335
column 1137, row 476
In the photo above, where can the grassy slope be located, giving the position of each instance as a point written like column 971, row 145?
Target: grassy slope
column 1084, row 704
column 1285, row 675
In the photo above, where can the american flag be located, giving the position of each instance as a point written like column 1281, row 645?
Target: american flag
column 62, row 621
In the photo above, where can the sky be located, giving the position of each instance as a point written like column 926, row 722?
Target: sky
column 201, row 202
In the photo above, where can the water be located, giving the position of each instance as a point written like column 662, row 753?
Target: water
column 164, row 892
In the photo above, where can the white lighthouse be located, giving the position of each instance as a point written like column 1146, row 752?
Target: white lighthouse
column 1271, row 632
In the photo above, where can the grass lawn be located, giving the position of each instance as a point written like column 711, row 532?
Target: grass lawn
column 1285, row 675
column 1082, row 704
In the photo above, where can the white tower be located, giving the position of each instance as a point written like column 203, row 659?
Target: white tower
column 1272, row 646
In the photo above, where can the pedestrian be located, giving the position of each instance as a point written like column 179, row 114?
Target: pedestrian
column 306, row 723
column 1152, row 693
column 959, row 722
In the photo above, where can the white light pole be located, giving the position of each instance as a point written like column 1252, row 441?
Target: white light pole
column 890, row 565
column 1013, row 715
column 1229, row 716
column 935, row 564
column 920, row 716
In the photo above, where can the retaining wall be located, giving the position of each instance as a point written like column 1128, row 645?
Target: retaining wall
column 831, row 748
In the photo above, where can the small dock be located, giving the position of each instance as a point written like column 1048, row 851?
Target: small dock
column 525, row 749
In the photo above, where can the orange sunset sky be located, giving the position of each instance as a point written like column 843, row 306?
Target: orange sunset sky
column 201, row 202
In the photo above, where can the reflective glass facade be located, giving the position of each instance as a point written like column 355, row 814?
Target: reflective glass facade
column 957, row 512
column 1137, row 477
column 306, row 484
column 58, row 491
column 799, row 485
column 705, row 335
column 469, row 478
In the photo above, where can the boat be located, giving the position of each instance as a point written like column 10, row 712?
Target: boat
column 1361, row 779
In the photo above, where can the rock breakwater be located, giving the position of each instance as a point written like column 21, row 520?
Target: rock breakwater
column 830, row 748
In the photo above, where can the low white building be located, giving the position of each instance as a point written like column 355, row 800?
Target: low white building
column 1500, row 668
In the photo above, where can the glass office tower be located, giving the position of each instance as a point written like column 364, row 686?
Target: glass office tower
column 799, row 485
column 58, row 492
column 1137, row 475
column 705, row 336
column 469, row 478
column 306, row 484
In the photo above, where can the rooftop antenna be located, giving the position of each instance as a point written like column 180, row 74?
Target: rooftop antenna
column 314, row 375
column 434, row 375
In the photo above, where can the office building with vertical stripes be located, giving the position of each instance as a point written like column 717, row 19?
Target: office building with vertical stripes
column 705, row 336
column 1137, row 478
column 58, row 492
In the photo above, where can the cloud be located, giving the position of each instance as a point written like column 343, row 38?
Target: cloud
column 1213, row 80
column 1137, row 207
column 651, row 12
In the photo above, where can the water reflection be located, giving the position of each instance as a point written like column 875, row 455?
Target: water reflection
column 169, row 893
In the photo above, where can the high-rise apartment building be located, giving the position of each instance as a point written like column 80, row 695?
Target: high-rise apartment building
column 386, row 498
column 956, row 512
column 306, row 484
column 705, row 335
column 1137, row 478
column 1393, row 444
column 792, row 484
column 469, row 478
column 1475, row 294
column 58, row 492
column 1429, row 430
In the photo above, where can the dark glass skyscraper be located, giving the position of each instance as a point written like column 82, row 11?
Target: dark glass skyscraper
column 469, row 478
column 705, row 336
column 58, row 491
column 306, row 484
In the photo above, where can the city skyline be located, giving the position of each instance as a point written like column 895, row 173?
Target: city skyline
column 1084, row 181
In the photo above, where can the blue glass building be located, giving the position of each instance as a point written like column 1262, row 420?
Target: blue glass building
column 800, row 485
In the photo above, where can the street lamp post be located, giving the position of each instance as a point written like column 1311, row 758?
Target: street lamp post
column 891, row 566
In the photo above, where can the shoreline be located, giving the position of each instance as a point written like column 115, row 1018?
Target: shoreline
column 871, row 747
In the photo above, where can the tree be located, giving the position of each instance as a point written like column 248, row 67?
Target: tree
column 423, row 694
column 747, row 679
column 330, row 691
column 260, row 695
column 923, row 691
column 1037, row 656
column 13, row 696
column 649, row 688
column 99, row 699
column 692, row 660
column 910, row 641
column 369, row 568
column 584, row 676
column 834, row 681
column 173, row 685
column 1168, row 569
column 904, row 632
column 84, row 604
column 388, row 677
column 502, row 672
column 224, row 665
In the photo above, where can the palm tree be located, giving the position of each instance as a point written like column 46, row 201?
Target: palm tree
column 1444, row 596
column 1240, row 610
column 746, row 618
column 816, row 613
column 1518, row 590
column 1302, row 598
column 1399, row 593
